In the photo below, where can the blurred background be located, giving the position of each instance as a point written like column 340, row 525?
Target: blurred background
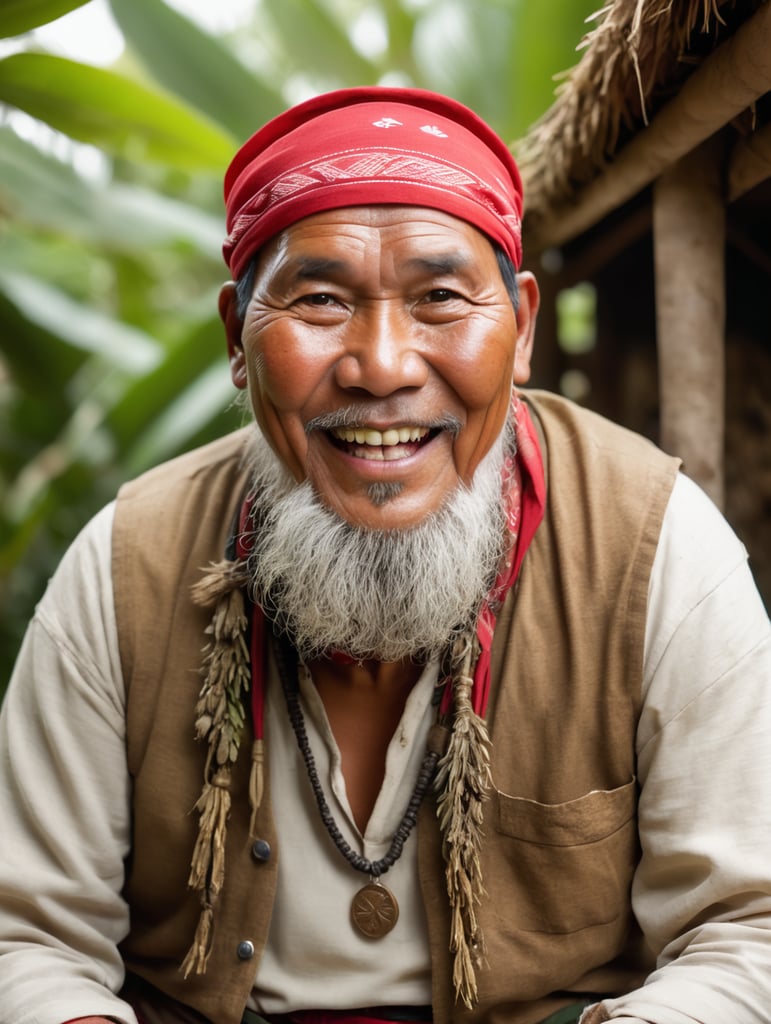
column 119, row 117
column 117, row 120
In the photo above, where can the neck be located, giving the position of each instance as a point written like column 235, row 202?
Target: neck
column 383, row 678
column 364, row 702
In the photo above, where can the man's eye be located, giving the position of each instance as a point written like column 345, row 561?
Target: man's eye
column 319, row 299
column 441, row 295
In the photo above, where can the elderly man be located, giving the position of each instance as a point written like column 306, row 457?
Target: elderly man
column 427, row 698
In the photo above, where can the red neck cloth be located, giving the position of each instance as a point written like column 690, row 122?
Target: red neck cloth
column 524, row 487
column 524, row 517
column 370, row 146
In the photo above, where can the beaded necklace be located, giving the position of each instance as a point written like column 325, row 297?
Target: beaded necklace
column 374, row 908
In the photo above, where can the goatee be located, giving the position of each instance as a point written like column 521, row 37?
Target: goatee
column 378, row 594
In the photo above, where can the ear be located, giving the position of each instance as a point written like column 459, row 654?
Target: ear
column 529, row 300
column 233, row 329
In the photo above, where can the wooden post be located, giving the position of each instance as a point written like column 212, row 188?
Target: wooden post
column 689, row 256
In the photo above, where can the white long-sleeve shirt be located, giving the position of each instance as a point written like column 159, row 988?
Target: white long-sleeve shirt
column 704, row 767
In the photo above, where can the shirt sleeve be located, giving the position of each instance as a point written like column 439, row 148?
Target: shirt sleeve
column 64, row 801
column 702, row 890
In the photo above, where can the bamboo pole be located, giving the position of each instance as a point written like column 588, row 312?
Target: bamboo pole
column 689, row 257
column 734, row 76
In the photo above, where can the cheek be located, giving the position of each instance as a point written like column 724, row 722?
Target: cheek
column 284, row 375
column 482, row 378
column 479, row 360
column 285, row 369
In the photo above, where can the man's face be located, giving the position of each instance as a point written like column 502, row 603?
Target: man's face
column 379, row 349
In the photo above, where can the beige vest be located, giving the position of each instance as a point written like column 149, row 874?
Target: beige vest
column 561, row 838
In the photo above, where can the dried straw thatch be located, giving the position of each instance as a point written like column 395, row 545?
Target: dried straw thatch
column 636, row 57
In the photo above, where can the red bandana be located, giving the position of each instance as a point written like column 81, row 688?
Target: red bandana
column 366, row 146
column 525, row 495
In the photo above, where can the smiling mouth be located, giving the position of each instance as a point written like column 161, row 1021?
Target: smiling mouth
column 381, row 445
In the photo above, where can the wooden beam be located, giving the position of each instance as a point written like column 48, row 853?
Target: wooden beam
column 593, row 252
column 732, row 78
column 689, row 256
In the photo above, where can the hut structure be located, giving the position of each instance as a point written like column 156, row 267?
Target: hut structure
column 648, row 197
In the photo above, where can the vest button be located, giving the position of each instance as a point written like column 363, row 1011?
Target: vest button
column 261, row 850
column 245, row 950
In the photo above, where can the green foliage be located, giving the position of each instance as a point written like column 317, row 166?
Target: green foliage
column 196, row 66
column 552, row 29
column 17, row 16
column 323, row 45
column 123, row 117
column 111, row 353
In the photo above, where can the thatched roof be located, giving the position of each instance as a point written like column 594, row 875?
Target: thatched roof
column 635, row 59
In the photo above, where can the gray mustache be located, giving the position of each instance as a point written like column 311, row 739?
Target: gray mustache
column 356, row 416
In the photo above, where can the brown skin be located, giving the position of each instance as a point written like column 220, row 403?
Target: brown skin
column 364, row 707
column 400, row 313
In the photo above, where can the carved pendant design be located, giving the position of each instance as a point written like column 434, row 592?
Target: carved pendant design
column 374, row 910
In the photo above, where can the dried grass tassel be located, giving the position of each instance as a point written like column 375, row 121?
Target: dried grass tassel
column 221, row 578
column 462, row 782
column 219, row 720
column 198, row 954
column 207, row 872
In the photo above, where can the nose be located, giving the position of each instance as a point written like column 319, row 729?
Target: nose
column 382, row 353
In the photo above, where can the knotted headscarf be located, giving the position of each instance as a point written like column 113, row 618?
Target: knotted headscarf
column 368, row 146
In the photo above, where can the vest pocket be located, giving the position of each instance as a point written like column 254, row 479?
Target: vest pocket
column 570, row 864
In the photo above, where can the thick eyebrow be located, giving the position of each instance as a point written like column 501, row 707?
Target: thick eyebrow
column 306, row 268
column 311, row 268
column 440, row 265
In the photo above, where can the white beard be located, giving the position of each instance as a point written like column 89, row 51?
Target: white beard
column 376, row 594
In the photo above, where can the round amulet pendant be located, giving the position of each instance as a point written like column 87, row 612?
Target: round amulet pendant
column 374, row 910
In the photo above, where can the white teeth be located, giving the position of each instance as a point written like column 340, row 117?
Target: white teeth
column 378, row 439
